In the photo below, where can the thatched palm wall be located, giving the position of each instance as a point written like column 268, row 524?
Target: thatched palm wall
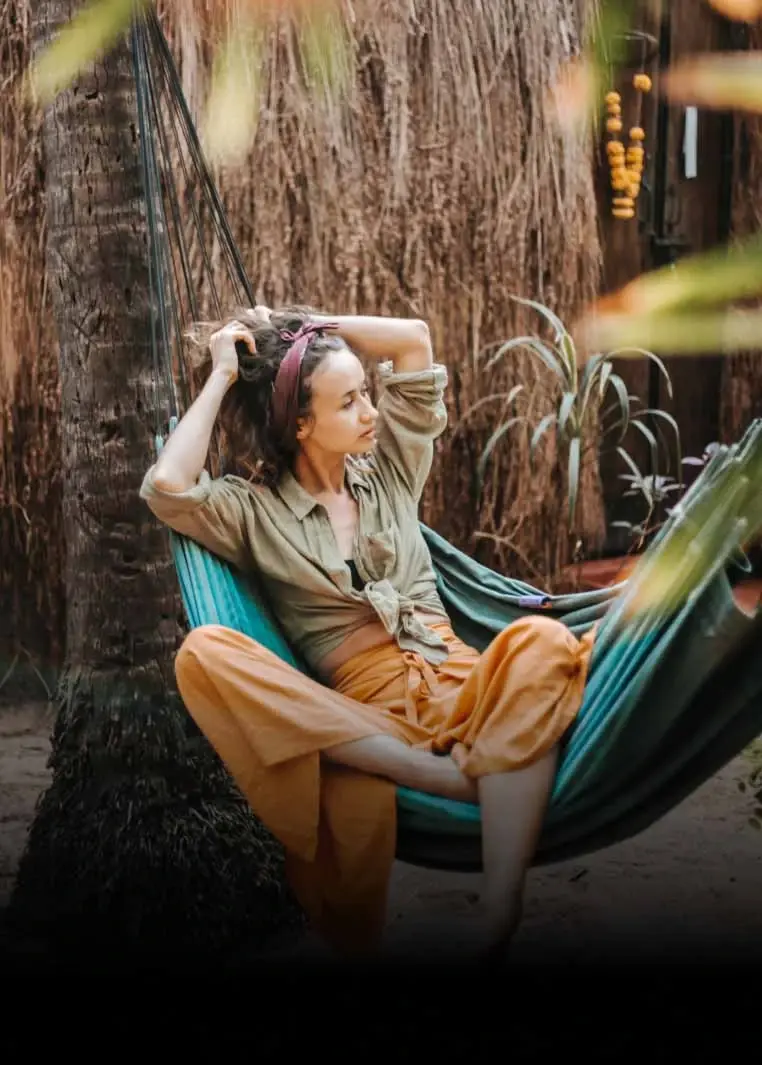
column 439, row 188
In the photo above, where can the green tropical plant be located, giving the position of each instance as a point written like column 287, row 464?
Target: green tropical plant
column 659, row 493
column 582, row 391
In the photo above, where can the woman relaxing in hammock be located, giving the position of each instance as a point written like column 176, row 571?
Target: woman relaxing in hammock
column 329, row 521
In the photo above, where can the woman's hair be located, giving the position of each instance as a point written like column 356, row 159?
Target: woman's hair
column 246, row 410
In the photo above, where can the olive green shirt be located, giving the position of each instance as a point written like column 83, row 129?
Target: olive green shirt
column 286, row 537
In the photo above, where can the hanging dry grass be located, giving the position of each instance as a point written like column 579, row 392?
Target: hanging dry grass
column 439, row 187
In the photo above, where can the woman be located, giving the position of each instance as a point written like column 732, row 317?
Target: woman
column 329, row 521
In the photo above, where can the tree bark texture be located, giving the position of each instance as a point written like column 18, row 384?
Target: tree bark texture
column 141, row 841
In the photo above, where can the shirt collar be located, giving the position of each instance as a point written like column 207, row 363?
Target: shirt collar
column 301, row 503
column 296, row 498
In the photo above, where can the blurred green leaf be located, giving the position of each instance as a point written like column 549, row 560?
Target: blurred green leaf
column 612, row 21
column 708, row 279
column 578, row 92
column 725, row 81
column 685, row 333
column 231, row 112
column 717, row 515
column 325, row 49
column 90, row 33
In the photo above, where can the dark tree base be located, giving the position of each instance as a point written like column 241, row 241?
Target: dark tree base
column 142, row 851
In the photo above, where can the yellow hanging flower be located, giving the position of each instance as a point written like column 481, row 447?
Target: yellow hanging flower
column 620, row 180
column 625, row 162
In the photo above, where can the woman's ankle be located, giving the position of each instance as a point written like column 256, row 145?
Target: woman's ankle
column 502, row 916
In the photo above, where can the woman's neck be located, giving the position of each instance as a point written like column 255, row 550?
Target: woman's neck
column 320, row 475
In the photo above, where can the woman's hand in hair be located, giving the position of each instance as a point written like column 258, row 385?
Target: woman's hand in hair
column 222, row 346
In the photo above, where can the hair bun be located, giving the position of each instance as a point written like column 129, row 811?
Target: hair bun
column 242, row 350
column 253, row 367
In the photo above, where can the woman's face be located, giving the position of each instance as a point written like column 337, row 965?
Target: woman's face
column 342, row 417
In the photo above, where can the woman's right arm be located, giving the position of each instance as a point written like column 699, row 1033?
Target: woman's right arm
column 184, row 454
column 178, row 489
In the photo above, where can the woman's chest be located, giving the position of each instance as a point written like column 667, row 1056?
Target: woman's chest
column 381, row 539
column 343, row 515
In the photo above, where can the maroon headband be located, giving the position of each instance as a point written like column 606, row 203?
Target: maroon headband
column 285, row 398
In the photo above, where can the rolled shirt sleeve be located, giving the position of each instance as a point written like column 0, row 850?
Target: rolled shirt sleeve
column 411, row 415
column 215, row 513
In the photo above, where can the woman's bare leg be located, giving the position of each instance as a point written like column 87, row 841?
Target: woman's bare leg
column 388, row 757
column 513, row 807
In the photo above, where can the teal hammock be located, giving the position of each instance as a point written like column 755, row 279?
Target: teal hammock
column 671, row 697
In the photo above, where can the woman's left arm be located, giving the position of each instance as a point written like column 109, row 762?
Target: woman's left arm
column 403, row 341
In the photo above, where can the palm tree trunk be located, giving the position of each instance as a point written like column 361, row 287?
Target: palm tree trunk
column 141, row 843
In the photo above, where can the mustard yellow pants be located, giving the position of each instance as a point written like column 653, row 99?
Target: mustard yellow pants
column 494, row 712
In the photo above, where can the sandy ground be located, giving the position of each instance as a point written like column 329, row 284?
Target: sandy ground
column 690, row 886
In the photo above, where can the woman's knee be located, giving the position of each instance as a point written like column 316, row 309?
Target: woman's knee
column 548, row 630
column 539, row 636
column 539, row 628
column 206, row 646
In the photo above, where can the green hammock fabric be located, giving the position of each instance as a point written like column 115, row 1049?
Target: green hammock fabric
column 661, row 713
column 671, row 696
